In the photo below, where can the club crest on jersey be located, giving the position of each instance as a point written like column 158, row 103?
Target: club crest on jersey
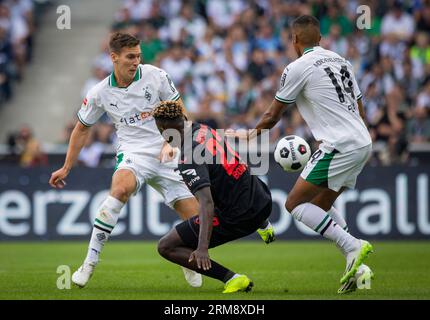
column 148, row 95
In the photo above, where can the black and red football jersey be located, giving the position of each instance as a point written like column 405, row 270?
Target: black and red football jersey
column 236, row 193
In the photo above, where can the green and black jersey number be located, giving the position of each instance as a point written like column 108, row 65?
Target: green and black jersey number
column 346, row 83
column 317, row 154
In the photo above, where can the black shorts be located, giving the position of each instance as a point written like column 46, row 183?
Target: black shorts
column 221, row 232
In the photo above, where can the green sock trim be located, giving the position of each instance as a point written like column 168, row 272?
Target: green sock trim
column 104, row 224
column 322, row 222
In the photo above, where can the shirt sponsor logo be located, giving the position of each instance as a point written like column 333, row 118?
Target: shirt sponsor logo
column 132, row 119
column 193, row 180
column 145, row 114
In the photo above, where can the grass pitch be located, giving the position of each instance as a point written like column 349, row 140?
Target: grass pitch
column 281, row 270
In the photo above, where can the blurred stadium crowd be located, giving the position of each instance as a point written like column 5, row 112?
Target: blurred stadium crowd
column 16, row 39
column 226, row 57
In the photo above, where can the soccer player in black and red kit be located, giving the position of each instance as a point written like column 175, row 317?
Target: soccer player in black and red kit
column 233, row 203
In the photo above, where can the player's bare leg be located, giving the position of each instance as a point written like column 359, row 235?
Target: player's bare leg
column 326, row 198
column 123, row 185
column 187, row 208
column 299, row 204
column 172, row 248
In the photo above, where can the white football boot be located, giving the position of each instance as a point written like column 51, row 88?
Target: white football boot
column 363, row 277
column 354, row 259
column 81, row 276
column 193, row 278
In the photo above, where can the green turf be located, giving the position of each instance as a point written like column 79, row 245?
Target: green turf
column 281, row 270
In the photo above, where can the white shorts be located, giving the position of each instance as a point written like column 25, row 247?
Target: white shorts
column 161, row 176
column 336, row 170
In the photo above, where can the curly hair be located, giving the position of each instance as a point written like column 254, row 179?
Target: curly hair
column 168, row 110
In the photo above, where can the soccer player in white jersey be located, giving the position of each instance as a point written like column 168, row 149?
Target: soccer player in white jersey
column 128, row 96
column 322, row 85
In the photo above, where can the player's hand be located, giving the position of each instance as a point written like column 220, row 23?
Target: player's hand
column 167, row 153
column 240, row 134
column 201, row 256
column 57, row 178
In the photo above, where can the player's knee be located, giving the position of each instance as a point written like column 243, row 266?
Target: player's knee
column 164, row 247
column 121, row 193
column 325, row 205
column 290, row 204
column 324, row 200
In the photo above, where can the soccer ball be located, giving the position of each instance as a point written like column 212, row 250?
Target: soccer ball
column 364, row 276
column 292, row 153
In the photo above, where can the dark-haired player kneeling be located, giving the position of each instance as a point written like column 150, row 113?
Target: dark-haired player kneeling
column 233, row 203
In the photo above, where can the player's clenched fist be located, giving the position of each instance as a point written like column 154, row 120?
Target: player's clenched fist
column 57, row 178
column 167, row 153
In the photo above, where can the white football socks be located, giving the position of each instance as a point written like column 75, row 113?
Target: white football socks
column 104, row 223
column 319, row 221
column 337, row 217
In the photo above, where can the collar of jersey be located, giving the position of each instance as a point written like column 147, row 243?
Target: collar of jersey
column 113, row 82
column 307, row 50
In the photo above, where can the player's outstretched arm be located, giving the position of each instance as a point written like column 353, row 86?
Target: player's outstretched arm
column 206, row 215
column 270, row 117
column 77, row 140
column 167, row 153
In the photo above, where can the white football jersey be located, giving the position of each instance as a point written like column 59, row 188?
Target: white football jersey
column 129, row 108
column 323, row 86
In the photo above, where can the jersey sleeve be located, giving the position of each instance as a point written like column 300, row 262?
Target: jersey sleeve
column 167, row 89
column 196, row 176
column 91, row 110
column 293, row 80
